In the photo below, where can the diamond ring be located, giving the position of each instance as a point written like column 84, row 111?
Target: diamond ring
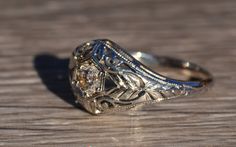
column 105, row 78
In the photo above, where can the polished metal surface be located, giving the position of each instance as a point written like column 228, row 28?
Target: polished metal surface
column 105, row 78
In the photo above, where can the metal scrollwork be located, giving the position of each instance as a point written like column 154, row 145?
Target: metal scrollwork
column 114, row 80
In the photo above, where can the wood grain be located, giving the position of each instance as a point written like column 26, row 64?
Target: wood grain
column 37, row 37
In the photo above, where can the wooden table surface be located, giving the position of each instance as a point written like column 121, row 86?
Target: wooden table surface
column 37, row 37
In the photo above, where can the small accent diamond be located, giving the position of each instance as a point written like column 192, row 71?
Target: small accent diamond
column 88, row 79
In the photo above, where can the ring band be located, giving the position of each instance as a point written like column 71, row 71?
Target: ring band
column 105, row 78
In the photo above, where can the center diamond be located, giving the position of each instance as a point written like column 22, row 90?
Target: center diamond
column 88, row 79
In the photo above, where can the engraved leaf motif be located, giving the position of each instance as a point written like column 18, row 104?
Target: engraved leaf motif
column 133, row 81
column 129, row 87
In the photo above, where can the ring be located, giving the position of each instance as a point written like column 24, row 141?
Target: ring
column 105, row 78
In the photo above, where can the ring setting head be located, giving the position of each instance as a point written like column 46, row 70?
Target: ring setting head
column 94, row 75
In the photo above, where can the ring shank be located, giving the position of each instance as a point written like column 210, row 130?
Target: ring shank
column 190, row 72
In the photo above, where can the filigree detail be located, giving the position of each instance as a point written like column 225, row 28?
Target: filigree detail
column 124, row 82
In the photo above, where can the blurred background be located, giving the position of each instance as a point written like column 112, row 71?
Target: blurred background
column 167, row 26
column 38, row 36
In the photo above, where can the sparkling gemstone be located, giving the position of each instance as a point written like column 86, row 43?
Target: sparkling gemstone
column 88, row 79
